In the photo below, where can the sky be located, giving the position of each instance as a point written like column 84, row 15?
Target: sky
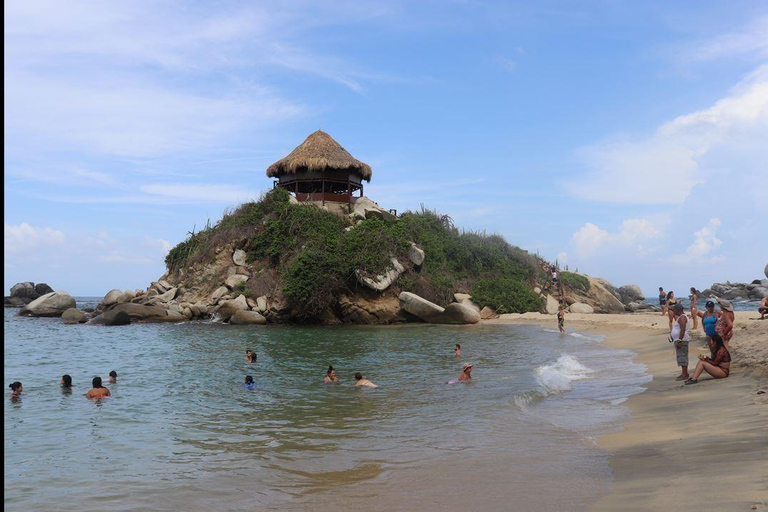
column 627, row 140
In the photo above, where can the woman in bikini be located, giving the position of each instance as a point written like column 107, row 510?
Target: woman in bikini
column 694, row 308
column 663, row 300
column 718, row 366
column 671, row 301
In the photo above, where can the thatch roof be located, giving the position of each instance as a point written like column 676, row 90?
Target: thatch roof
column 319, row 152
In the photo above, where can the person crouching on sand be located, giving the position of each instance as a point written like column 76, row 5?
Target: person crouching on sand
column 466, row 374
column 718, row 366
column 363, row 382
column 680, row 336
column 98, row 391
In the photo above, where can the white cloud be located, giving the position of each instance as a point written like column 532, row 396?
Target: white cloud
column 705, row 243
column 752, row 40
column 665, row 167
column 23, row 239
column 636, row 236
column 164, row 245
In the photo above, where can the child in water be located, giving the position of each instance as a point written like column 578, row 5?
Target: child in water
column 457, row 350
column 250, row 357
column 249, row 384
column 113, row 376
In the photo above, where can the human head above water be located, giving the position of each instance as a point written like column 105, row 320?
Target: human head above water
column 97, row 382
column 358, row 376
column 248, row 379
column 15, row 386
column 330, row 370
column 113, row 375
column 66, row 381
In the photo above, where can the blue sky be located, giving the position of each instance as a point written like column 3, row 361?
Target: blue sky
column 627, row 139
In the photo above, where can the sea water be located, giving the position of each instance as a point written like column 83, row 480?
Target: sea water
column 181, row 433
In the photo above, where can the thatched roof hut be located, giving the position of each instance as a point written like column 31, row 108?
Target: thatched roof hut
column 320, row 170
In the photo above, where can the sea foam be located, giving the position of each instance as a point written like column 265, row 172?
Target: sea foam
column 557, row 377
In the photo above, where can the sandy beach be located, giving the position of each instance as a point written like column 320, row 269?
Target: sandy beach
column 700, row 447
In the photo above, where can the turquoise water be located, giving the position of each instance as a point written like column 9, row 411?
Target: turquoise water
column 181, row 433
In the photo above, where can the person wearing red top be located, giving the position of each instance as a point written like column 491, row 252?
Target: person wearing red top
column 718, row 366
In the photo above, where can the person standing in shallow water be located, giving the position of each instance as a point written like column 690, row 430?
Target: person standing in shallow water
column 113, row 376
column 457, row 350
column 680, row 336
column 16, row 389
column 66, row 382
column 466, row 374
column 561, row 320
column 98, row 390
column 250, row 357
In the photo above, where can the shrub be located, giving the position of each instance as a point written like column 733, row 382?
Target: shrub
column 574, row 281
column 505, row 295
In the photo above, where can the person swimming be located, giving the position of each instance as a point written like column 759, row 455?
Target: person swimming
column 113, row 376
column 249, row 384
column 250, row 356
column 466, row 373
column 98, row 390
column 16, row 389
column 330, row 376
column 66, row 381
column 457, row 350
column 363, row 382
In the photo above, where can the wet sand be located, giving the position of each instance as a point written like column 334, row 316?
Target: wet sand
column 700, row 447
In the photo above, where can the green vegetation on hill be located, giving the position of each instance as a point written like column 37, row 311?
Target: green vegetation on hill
column 574, row 281
column 315, row 254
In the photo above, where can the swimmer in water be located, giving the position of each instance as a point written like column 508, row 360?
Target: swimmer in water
column 457, row 350
column 66, row 383
column 98, row 390
column 113, row 376
column 330, row 376
column 249, row 384
column 363, row 382
column 466, row 374
column 16, row 390
column 250, row 357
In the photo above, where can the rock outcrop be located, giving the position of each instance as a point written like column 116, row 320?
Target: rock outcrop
column 578, row 307
column 50, row 304
column 631, row 293
column 755, row 290
column 383, row 281
column 136, row 313
column 454, row 313
column 74, row 316
column 24, row 293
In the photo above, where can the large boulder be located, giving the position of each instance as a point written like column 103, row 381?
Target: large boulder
column 420, row 307
column 111, row 297
column 631, row 293
column 261, row 303
column 579, row 307
column 235, row 280
column 488, row 313
column 73, row 316
column 238, row 257
column 466, row 299
column 459, row 313
column 25, row 290
column 50, row 304
column 42, row 289
column 247, row 318
column 604, row 300
column 375, row 311
column 416, row 255
column 219, row 292
column 136, row 313
column 238, row 304
column 382, row 281
column 551, row 306
column 16, row 302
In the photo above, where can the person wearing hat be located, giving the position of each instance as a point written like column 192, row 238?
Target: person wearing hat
column 466, row 374
column 708, row 319
column 725, row 318
column 680, row 336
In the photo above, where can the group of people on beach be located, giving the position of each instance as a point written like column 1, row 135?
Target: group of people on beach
column 718, row 329
column 97, row 391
